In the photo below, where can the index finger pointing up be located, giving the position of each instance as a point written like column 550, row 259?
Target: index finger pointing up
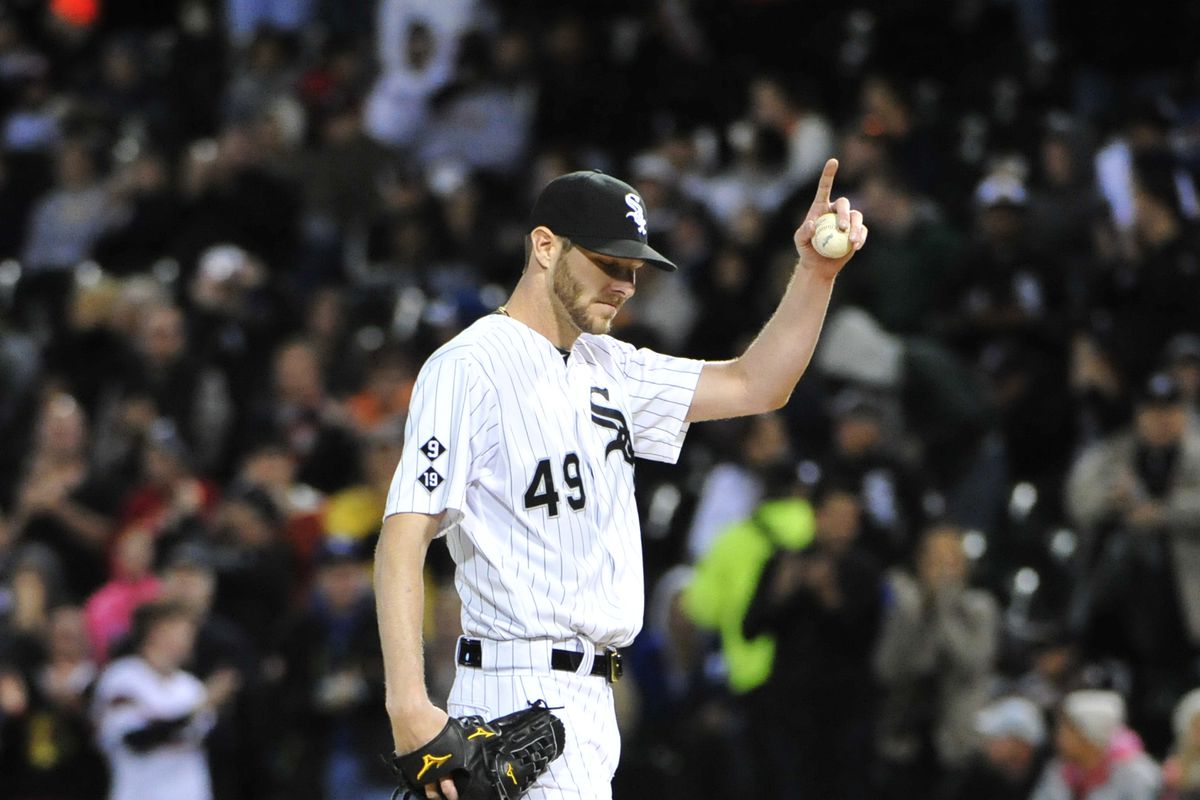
column 825, row 186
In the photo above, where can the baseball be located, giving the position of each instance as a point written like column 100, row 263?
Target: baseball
column 827, row 239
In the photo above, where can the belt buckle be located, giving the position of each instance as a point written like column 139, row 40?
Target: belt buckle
column 615, row 668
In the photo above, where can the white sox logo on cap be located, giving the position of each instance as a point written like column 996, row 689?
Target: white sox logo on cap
column 637, row 212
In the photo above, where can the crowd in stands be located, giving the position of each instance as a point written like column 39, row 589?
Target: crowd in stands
column 962, row 562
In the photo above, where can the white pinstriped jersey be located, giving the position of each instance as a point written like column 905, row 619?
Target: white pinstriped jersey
column 531, row 458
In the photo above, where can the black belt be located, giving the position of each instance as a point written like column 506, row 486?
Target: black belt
column 607, row 664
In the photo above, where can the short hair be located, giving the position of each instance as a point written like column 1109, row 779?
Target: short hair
column 149, row 615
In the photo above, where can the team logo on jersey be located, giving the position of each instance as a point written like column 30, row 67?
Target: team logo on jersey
column 430, row 479
column 637, row 212
column 432, row 449
column 612, row 418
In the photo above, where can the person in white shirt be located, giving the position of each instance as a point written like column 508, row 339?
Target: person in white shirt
column 520, row 447
column 151, row 716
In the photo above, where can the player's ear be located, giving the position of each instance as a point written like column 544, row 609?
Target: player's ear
column 544, row 247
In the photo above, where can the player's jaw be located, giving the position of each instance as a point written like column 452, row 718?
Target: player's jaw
column 589, row 311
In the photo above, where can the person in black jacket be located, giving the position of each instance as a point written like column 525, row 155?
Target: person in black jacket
column 331, row 688
column 823, row 605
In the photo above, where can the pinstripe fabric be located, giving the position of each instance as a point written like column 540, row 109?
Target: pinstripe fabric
column 487, row 409
column 531, row 457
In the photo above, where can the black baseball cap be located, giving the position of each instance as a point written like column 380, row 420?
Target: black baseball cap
column 598, row 213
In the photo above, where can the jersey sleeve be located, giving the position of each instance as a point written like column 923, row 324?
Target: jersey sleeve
column 443, row 438
column 660, row 394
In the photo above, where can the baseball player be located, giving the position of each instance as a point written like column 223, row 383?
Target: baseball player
column 520, row 447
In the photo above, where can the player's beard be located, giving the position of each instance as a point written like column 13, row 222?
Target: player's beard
column 570, row 294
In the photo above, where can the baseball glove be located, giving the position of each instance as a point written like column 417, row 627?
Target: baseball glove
column 496, row 760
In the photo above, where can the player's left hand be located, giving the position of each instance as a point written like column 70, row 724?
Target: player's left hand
column 849, row 220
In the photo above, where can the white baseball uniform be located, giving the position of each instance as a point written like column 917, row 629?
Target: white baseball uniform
column 131, row 695
column 531, row 455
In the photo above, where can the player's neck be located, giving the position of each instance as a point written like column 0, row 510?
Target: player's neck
column 532, row 308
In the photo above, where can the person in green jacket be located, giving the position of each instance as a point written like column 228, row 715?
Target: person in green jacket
column 726, row 578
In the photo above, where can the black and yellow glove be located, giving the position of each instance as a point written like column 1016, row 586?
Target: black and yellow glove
column 494, row 760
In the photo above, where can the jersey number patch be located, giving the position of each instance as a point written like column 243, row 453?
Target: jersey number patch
column 542, row 492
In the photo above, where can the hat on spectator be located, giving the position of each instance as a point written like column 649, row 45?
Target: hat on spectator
column 855, row 403
column 598, row 213
column 1017, row 717
column 1097, row 714
column 1161, row 389
column 1185, row 712
column 1001, row 189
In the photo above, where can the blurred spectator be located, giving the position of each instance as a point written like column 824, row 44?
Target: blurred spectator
column 397, row 110
column 47, row 751
column 1147, row 290
column 758, row 460
column 152, row 716
column 1098, row 384
column 332, row 688
column 34, row 588
column 109, row 612
column 192, row 395
column 725, row 580
column 915, row 254
column 68, row 220
column 1012, row 753
column 303, row 414
column 267, row 71
column 890, row 489
column 123, row 90
column 1097, row 757
column 482, row 120
column 1003, row 290
column 822, row 605
column 445, row 20
column 22, row 386
column 338, row 177
column 1065, row 207
column 89, row 354
column 354, row 512
column 61, row 501
column 1182, row 360
column 245, row 18
column 1181, row 772
column 146, row 211
column 934, row 659
column 235, row 746
column 233, row 195
column 328, row 330
column 34, row 124
column 1137, row 494
column 170, row 500
column 797, row 119
column 754, row 178
column 943, row 407
column 254, row 568
column 236, row 320
column 386, row 392
column 720, row 595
